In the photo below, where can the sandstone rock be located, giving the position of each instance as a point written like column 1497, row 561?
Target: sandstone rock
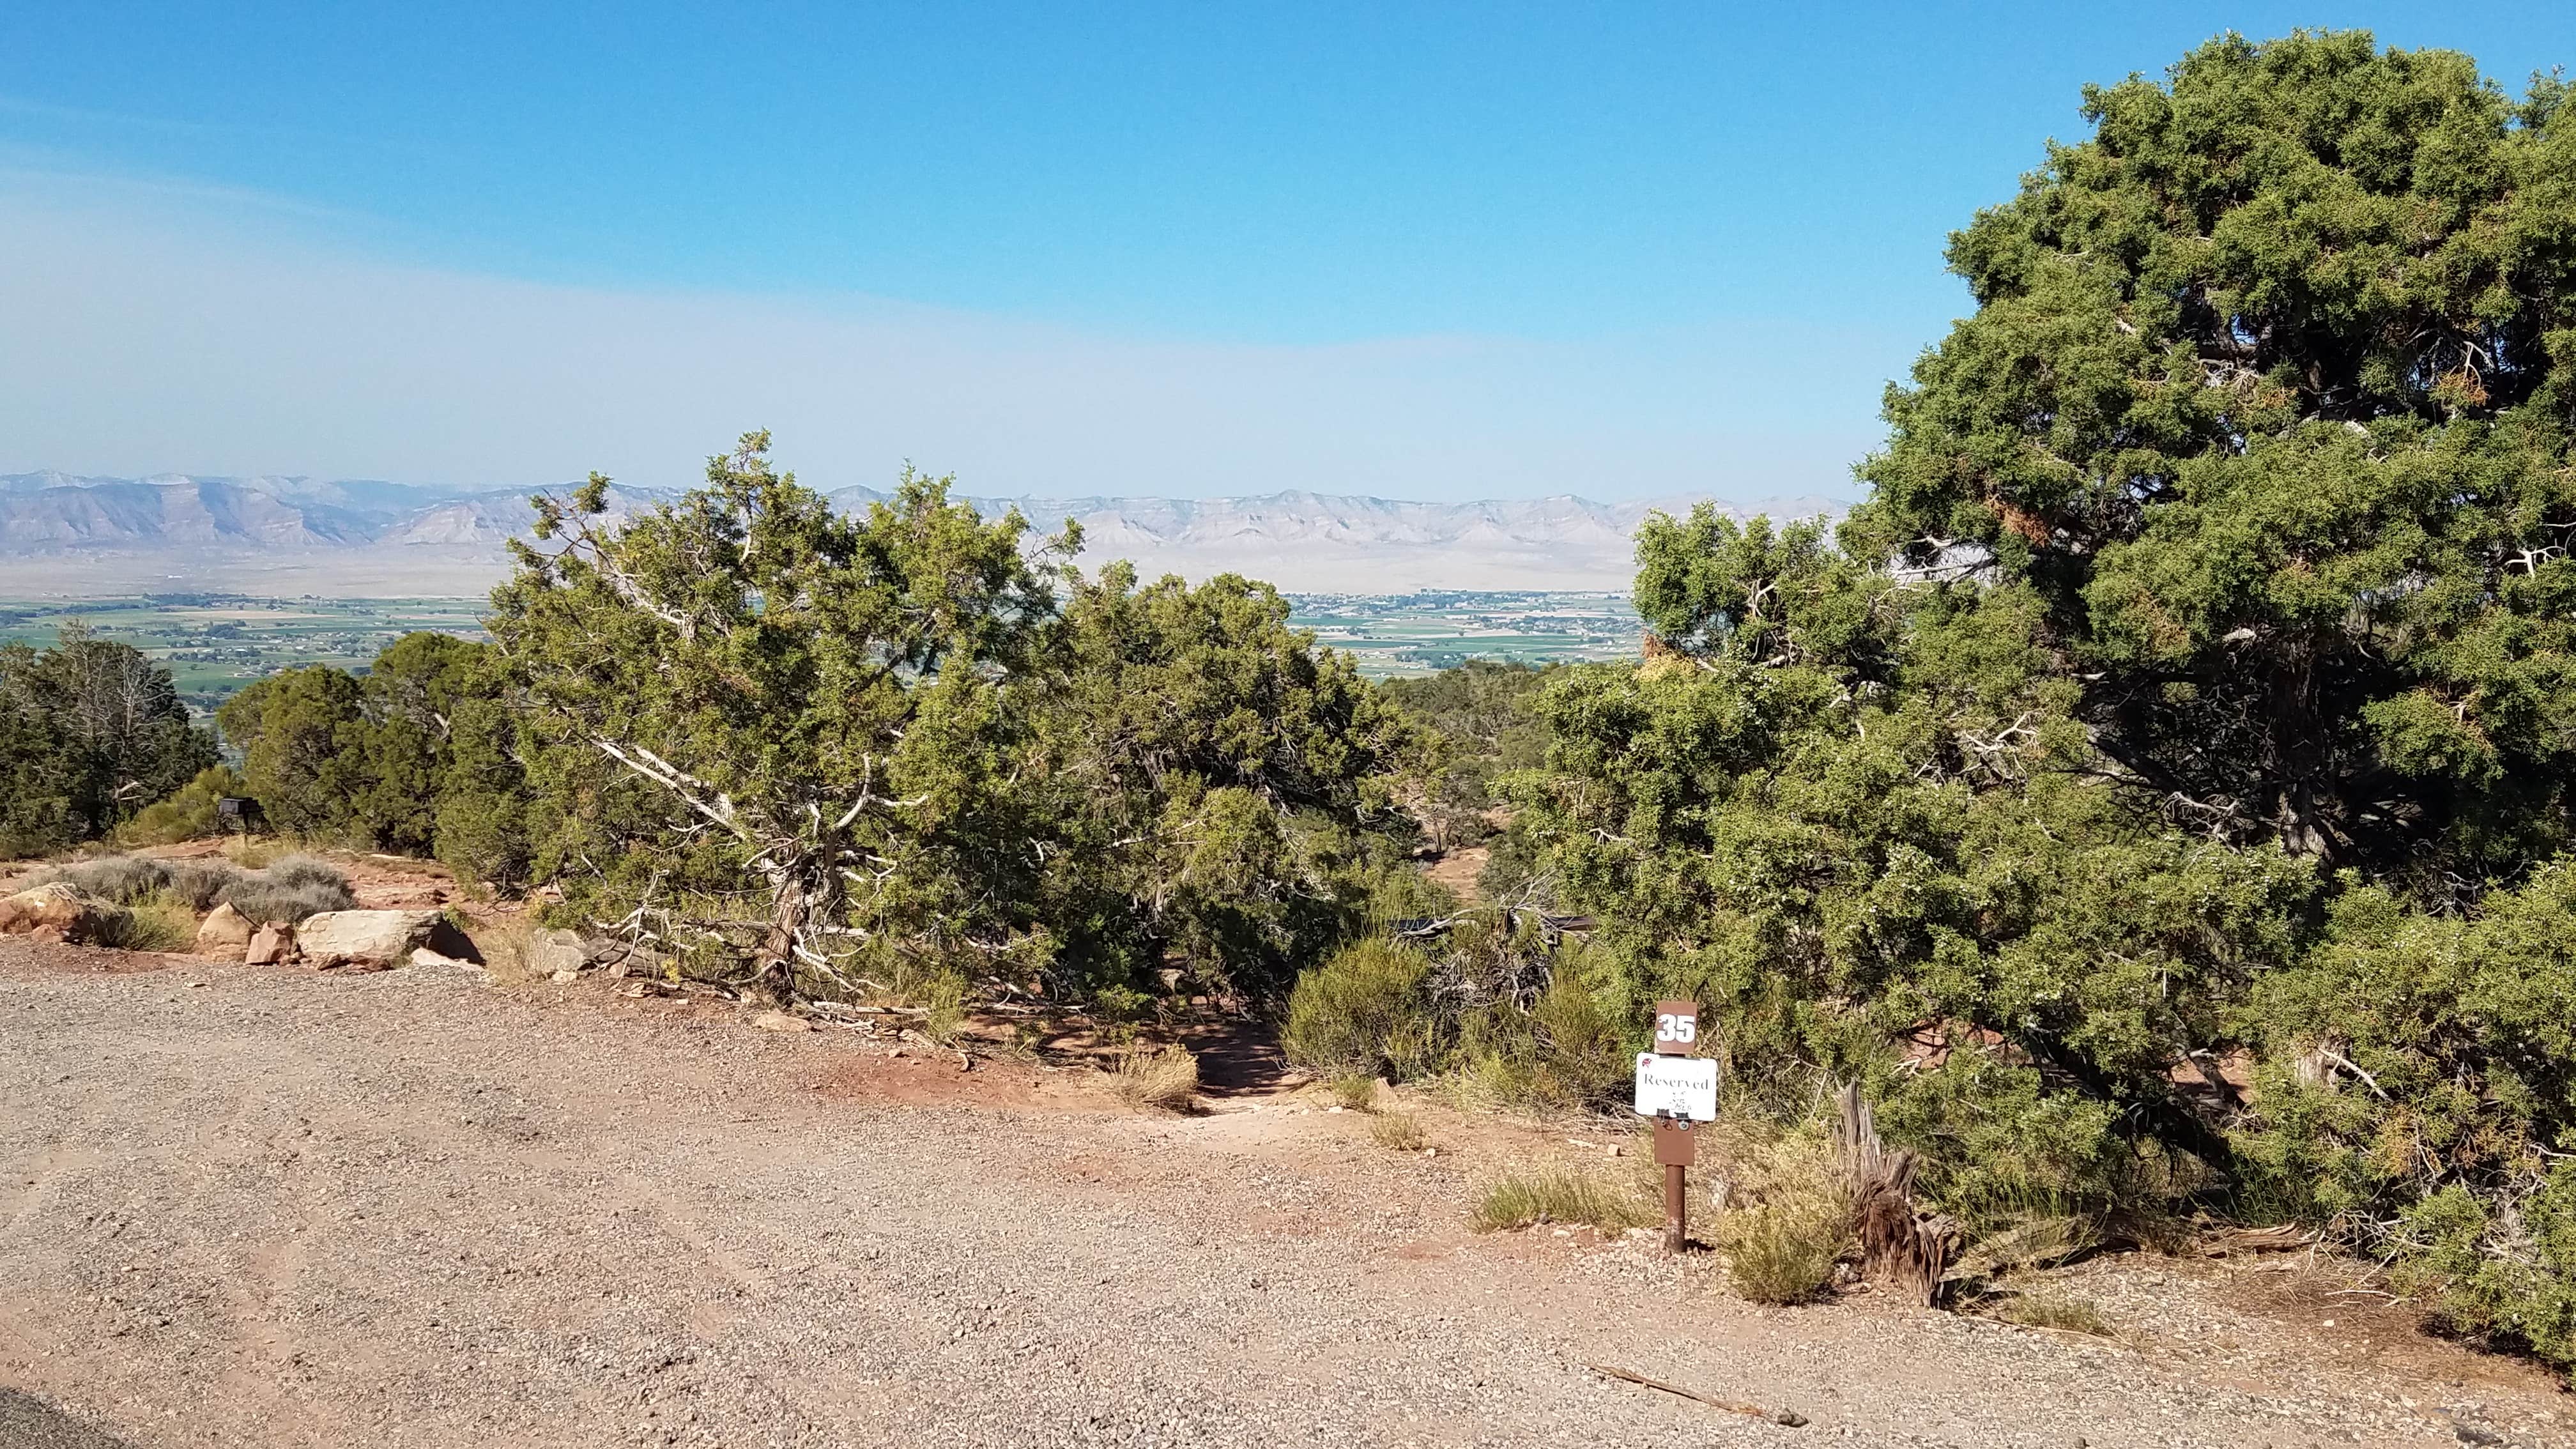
column 225, row 933
column 54, row 912
column 781, row 1021
column 552, row 951
column 270, row 945
column 423, row 956
column 363, row 938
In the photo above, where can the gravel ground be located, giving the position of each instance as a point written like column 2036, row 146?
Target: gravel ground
column 245, row 1206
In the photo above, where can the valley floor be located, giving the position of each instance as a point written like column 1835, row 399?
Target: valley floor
column 253, row 1206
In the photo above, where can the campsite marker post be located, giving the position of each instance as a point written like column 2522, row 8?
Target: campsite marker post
column 1676, row 1087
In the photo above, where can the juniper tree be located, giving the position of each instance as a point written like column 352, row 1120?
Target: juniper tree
column 1206, row 785
column 91, row 732
column 771, row 735
column 2267, row 397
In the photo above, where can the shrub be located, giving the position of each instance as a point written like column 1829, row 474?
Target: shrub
column 272, row 904
column 2502, row 1271
column 1782, row 1252
column 1359, row 1013
column 296, row 871
column 200, row 883
column 1562, row 1054
column 1355, row 1092
column 943, row 994
column 1168, row 1078
column 122, row 879
column 1560, row 1194
column 157, row 922
column 1397, row 1130
column 1788, row 1218
column 188, row 813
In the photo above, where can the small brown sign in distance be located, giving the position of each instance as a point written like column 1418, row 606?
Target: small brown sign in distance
column 1676, row 1145
column 1677, row 1028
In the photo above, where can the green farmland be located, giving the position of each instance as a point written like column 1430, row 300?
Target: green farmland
column 216, row 643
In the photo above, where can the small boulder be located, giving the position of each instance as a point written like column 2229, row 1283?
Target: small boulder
column 270, row 945
column 53, row 912
column 363, row 938
column 554, row 950
column 225, row 933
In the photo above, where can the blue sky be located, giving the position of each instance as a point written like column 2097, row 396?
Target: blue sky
column 1423, row 251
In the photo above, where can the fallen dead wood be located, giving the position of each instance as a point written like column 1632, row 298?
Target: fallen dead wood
column 843, row 1008
column 1784, row 1417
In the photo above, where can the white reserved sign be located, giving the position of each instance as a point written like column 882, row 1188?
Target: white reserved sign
column 1681, row 1086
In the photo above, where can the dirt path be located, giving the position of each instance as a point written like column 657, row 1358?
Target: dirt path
column 241, row 1206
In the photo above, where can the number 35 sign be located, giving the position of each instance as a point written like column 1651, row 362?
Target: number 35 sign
column 1671, row 1080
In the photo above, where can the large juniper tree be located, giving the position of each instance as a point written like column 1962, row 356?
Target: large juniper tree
column 769, row 734
column 2268, row 396
column 2158, row 788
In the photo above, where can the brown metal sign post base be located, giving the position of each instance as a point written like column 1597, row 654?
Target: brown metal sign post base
column 1676, row 1203
column 1676, row 1148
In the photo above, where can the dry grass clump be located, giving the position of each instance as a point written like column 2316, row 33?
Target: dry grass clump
column 1397, row 1130
column 1355, row 1091
column 247, row 853
column 159, row 921
column 503, row 942
column 1788, row 1218
column 285, row 892
column 2051, row 1310
column 1167, row 1078
column 1560, row 1194
column 1783, row 1252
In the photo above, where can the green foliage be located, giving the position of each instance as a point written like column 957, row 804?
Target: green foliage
column 2267, row 399
column 1858, row 810
column 1206, row 785
column 90, row 733
column 481, row 809
column 1480, row 714
column 188, row 813
column 1364, row 1012
column 416, row 756
column 834, row 753
column 2411, row 1051
column 771, row 737
column 2195, row 693
column 306, row 750
column 2502, row 1267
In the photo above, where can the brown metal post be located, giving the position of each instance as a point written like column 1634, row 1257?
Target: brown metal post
column 1676, row 1204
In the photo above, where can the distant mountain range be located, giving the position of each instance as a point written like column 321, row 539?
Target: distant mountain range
column 361, row 537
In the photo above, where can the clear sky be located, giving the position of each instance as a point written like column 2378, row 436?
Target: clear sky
column 1428, row 251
